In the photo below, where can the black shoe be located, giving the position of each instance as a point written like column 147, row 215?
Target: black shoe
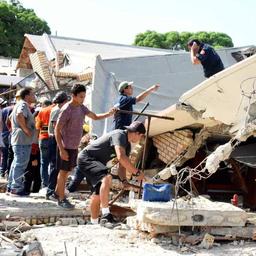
column 52, row 197
column 107, row 218
column 8, row 191
column 66, row 204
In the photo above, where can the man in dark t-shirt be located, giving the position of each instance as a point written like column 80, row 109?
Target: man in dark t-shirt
column 204, row 54
column 126, row 101
column 93, row 159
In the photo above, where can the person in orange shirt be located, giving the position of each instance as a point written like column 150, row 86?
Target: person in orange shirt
column 42, row 122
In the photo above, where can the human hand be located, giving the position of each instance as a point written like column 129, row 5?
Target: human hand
column 112, row 111
column 194, row 46
column 140, row 176
column 125, row 184
column 34, row 162
column 64, row 155
column 28, row 132
column 155, row 87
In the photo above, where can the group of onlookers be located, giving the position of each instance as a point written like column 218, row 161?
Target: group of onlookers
column 40, row 146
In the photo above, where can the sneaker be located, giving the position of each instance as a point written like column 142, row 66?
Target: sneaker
column 107, row 218
column 14, row 192
column 52, row 197
column 42, row 191
column 66, row 204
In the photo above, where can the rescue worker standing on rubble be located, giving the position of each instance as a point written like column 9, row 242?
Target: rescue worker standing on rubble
column 68, row 133
column 201, row 53
column 92, row 162
column 126, row 101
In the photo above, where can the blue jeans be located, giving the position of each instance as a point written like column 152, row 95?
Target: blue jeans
column 4, row 155
column 54, row 170
column 44, row 161
column 18, row 167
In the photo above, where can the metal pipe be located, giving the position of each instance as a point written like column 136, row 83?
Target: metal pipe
column 144, row 114
column 143, row 109
column 144, row 154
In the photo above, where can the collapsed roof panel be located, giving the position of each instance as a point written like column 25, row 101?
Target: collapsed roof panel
column 184, row 116
column 227, row 95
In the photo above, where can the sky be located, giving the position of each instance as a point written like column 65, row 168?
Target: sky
column 119, row 21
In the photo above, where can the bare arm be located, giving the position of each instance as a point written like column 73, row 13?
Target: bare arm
column 63, row 152
column 144, row 94
column 94, row 116
column 22, row 123
column 125, row 162
column 193, row 52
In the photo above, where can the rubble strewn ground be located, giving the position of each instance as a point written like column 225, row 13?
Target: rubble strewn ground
column 95, row 240
column 67, row 235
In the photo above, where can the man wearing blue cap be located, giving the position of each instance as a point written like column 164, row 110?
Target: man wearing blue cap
column 126, row 101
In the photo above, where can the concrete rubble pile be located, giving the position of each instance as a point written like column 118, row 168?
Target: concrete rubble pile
column 211, row 121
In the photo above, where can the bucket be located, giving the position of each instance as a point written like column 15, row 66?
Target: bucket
column 157, row 192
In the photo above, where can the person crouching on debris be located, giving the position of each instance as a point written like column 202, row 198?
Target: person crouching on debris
column 201, row 53
column 92, row 162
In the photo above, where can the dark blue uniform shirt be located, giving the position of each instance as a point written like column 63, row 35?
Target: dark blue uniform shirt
column 124, row 102
column 210, row 60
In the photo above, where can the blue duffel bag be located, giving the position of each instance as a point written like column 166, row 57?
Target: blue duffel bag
column 157, row 192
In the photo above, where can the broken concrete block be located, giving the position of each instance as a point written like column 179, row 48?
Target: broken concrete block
column 234, row 232
column 207, row 242
column 194, row 212
column 67, row 222
column 132, row 222
column 21, row 225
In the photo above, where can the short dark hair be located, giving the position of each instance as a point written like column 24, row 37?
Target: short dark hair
column 191, row 41
column 60, row 98
column 25, row 91
column 77, row 88
column 46, row 102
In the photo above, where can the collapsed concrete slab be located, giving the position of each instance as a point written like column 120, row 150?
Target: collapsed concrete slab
column 35, row 209
column 194, row 212
column 226, row 96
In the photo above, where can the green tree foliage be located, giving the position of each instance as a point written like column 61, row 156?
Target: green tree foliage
column 15, row 21
column 150, row 39
column 175, row 40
